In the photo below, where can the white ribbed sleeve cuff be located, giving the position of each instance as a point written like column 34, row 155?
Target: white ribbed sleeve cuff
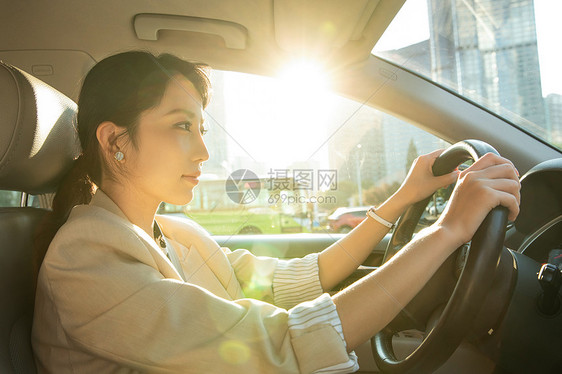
column 317, row 338
column 296, row 280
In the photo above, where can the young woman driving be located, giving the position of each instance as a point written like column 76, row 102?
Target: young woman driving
column 123, row 290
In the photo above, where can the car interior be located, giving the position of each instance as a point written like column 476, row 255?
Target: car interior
column 502, row 311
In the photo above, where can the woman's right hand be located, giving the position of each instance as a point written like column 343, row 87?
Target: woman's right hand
column 486, row 184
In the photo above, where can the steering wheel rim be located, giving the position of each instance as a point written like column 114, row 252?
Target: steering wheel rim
column 471, row 288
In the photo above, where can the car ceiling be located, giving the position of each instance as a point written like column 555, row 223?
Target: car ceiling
column 253, row 36
column 58, row 41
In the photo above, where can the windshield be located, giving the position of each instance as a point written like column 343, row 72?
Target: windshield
column 283, row 160
column 501, row 54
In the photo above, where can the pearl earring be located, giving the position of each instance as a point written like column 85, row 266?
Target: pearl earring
column 119, row 156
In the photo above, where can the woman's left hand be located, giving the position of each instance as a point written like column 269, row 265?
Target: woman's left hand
column 420, row 182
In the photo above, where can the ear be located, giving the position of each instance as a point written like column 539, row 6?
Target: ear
column 108, row 137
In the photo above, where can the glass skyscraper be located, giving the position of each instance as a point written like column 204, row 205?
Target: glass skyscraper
column 554, row 118
column 488, row 49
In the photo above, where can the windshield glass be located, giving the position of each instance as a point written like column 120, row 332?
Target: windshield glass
column 501, row 54
column 286, row 160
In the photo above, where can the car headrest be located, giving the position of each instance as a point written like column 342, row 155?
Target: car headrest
column 38, row 137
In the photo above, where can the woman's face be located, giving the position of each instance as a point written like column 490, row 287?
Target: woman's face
column 166, row 162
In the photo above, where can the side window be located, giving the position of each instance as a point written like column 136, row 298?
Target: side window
column 34, row 201
column 283, row 159
column 10, row 198
column 503, row 55
column 13, row 199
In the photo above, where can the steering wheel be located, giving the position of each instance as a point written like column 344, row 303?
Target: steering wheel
column 471, row 288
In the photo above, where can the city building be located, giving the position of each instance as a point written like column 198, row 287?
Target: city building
column 553, row 103
column 356, row 147
column 500, row 66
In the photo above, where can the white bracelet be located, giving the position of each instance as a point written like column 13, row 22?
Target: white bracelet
column 371, row 213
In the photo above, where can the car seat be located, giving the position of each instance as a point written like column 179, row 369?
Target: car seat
column 38, row 142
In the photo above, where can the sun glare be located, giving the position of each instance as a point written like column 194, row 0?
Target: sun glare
column 279, row 121
column 301, row 98
column 307, row 76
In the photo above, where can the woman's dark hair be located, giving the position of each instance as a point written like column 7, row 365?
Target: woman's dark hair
column 117, row 89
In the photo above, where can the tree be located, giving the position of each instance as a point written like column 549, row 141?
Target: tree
column 339, row 197
column 378, row 194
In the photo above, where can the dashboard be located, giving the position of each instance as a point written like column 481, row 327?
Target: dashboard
column 537, row 232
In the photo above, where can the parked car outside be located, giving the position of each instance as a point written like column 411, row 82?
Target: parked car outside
column 343, row 220
column 435, row 207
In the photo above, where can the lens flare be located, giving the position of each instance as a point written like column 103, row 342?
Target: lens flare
column 234, row 352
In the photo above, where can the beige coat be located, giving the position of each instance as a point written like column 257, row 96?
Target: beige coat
column 110, row 301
